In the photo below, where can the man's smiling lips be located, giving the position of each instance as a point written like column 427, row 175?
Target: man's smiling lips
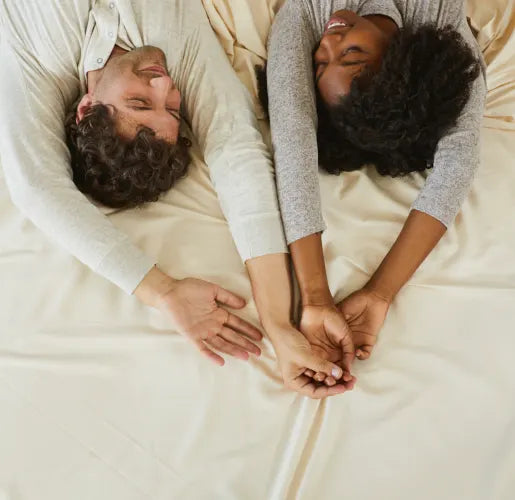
column 156, row 69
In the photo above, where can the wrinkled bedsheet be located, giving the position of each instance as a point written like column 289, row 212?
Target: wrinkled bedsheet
column 99, row 399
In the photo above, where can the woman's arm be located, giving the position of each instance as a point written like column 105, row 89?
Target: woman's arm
column 418, row 237
column 366, row 309
column 455, row 164
column 293, row 118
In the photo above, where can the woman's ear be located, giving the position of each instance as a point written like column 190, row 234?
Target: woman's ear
column 85, row 103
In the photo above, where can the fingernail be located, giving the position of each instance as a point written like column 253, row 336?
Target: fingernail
column 347, row 316
column 336, row 373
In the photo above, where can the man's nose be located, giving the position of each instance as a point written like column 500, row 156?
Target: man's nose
column 162, row 84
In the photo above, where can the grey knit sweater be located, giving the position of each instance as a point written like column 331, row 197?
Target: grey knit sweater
column 295, row 33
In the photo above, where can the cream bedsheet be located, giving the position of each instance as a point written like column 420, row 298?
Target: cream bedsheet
column 99, row 400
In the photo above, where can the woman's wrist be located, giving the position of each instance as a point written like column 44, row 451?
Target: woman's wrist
column 308, row 258
column 381, row 290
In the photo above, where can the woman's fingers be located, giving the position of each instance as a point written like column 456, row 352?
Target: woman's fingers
column 363, row 352
column 237, row 339
column 309, row 373
column 223, row 346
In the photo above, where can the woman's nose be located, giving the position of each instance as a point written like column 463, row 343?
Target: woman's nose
column 330, row 44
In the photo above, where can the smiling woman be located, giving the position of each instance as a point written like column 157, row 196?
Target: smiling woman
column 349, row 45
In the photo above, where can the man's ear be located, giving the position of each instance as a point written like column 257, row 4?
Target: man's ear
column 85, row 103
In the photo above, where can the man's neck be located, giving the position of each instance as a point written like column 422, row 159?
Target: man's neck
column 93, row 76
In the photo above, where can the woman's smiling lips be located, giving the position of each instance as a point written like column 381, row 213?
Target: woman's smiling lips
column 334, row 23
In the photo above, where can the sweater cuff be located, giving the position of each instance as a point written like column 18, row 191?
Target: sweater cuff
column 298, row 231
column 445, row 216
column 125, row 266
column 258, row 235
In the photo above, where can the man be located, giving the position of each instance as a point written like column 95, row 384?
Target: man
column 120, row 54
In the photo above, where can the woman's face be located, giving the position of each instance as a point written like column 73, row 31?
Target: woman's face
column 349, row 44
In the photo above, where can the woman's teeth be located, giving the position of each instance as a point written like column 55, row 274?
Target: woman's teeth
column 337, row 24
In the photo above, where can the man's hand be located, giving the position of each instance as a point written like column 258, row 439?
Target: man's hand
column 193, row 307
column 365, row 312
column 296, row 357
column 330, row 338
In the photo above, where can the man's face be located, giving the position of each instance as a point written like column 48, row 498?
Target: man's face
column 137, row 84
column 349, row 44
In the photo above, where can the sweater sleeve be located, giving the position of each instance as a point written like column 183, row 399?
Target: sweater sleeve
column 223, row 121
column 35, row 161
column 456, row 161
column 293, row 120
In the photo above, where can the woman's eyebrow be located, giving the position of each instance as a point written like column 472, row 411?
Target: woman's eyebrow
column 351, row 63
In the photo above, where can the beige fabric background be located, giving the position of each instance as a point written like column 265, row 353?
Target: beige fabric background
column 100, row 400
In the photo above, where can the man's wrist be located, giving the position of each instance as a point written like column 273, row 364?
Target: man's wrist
column 154, row 286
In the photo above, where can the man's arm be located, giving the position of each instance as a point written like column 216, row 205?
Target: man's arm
column 35, row 161
column 298, row 361
column 223, row 120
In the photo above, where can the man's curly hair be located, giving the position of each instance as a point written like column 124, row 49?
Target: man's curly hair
column 121, row 173
column 395, row 118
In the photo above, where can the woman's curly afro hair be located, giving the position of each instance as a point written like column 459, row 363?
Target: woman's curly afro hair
column 121, row 173
column 395, row 119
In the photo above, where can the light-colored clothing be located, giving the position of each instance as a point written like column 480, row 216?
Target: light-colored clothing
column 297, row 30
column 47, row 48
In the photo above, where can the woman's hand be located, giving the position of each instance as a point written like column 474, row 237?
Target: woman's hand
column 365, row 312
column 194, row 309
column 330, row 338
column 297, row 357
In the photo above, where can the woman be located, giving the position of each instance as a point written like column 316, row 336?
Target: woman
column 396, row 83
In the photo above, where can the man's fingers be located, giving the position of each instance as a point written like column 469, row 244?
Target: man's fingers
column 309, row 373
column 208, row 353
column 223, row 346
column 223, row 296
column 242, row 326
column 237, row 339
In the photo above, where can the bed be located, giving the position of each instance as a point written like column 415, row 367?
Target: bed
column 99, row 399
